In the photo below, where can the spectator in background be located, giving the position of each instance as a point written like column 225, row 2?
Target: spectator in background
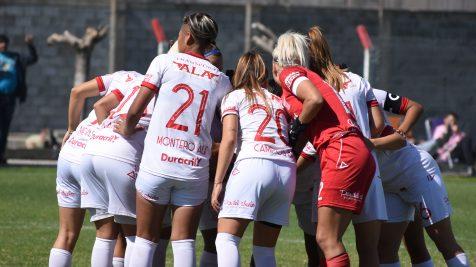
column 459, row 145
column 12, row 84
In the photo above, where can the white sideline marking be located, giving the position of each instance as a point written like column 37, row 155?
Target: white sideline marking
column 32, row 162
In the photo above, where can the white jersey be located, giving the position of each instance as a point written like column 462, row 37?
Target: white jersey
column 74, row 148
column 394, row 162
column 358, row 97
column 262, row 134
column 105, row 142
column 178, row 142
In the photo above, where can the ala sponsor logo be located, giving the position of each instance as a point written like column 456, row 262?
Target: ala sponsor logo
column 353, row 196
column 148, row 196
column 195, row 162
column 195, row 71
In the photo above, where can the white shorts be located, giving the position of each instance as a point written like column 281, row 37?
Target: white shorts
column 374, row 206
column 260, row 190
column 209, row 217
column 109, row 184
column 68, row 184
column 428, row 196
column 164, row 191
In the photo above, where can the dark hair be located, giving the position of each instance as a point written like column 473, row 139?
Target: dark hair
column 4, row 39
column 203, row 27
column 274, row 88
column 454, row 114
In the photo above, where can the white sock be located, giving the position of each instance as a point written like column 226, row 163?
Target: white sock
column 184, row 252
column 264, row 256
column 103, row 251
column 117, row 262
column 161, row 253
column 460, row 260
column 208, row 259
column 60, row 258
column 395, row 264
column 129, row 248
column 428, row 263
column 143, row 253
column 227, row 250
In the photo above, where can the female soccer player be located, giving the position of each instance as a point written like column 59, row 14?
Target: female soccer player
column 346, row 163
column 68, row 179
column 359, row 98
column 109, row 168
column 174, row 167
column 261, row 185
column 412, row 180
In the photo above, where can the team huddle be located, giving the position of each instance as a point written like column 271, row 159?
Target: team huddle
column 186, row 147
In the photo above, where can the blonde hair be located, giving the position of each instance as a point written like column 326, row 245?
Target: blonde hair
column 250, row 75
column 321, row 59
column 291, row 50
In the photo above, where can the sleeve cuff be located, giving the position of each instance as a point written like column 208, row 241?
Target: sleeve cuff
column 100, row 83
column 372, row 103
column 296, row 84
column 404, row 105
column 150, row 86
column 229, row 111
column 118, row 94
column 308, row 157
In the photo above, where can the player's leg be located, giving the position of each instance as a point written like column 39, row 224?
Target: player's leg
column 153, row 196
column 184, row 230
column 367, row 224
column 119, row 251
column 160, row 255
column 347, row 171
column 399, row 214
column 208, row 227
column 434, row 208
column 278, row 186
column 230, row 232
column 304, row 213
column 120, row 182
column 209, row 254
column 70, row 223
column 106, row 235
column 71, row 216
column 331, row 225
column 187, row 200
column 414, row 240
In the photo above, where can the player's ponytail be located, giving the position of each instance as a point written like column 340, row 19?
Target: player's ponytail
column 203, row 28
column 250, row 75
column 321, row 59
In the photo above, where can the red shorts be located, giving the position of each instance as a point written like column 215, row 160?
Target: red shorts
column 347, row 172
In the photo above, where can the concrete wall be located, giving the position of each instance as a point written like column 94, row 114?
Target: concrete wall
column 428, row 56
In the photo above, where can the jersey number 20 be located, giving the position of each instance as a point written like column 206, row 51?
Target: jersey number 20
column 259, row 135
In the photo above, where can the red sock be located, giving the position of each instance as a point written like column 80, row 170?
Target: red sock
column 339, row 261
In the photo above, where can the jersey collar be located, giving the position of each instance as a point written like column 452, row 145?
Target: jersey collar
column 195, row 54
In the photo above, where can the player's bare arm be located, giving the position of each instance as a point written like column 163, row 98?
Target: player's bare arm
column 412, row 112
column 376, row 120
column 392, row 141
column 77, row 98
column 225, row 155
column 137, row 108
column 104, row 106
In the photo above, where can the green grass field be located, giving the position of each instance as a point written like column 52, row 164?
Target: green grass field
column 29, row 222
